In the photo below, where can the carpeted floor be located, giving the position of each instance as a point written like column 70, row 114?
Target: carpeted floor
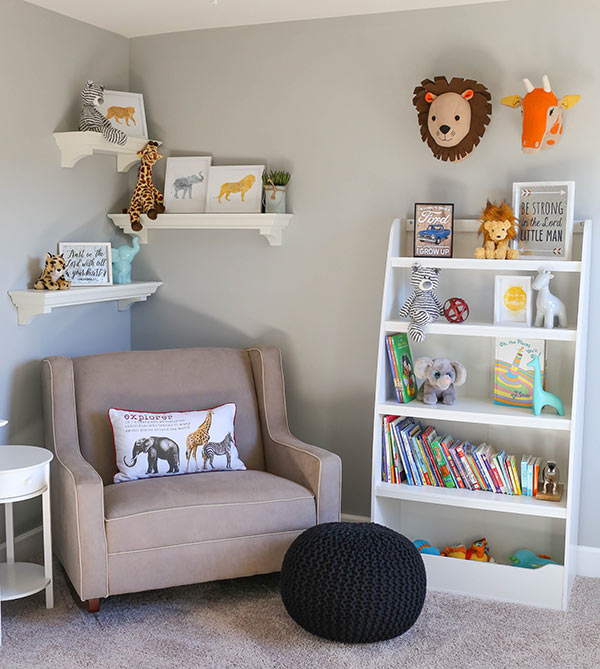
column 243, row 623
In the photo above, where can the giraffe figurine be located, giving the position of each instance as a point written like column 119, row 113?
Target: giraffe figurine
column 541, row 397
column 198, row 440
column 146, row 198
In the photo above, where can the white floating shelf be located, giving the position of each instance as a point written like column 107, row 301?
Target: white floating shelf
column 30, row 303
column 473, row 329
column 77, row 145
column 271, row 226
column 474, row 499
column 490, row 265
column 479, row 411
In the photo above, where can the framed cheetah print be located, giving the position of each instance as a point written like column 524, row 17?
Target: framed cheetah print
column 126, row 112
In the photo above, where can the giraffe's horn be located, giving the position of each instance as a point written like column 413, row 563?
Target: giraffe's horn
column 546, row 84
column 528, row 85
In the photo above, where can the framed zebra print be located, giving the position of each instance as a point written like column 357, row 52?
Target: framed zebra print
column 126, row 112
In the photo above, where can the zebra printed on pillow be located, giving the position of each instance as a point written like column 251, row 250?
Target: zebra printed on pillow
column 92, row 94
column 423, row 306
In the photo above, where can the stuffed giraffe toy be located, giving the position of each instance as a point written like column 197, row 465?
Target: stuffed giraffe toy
column 146, row 198
column 198, row 440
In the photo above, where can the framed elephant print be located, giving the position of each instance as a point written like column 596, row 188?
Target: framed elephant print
column 235, row 189
column 186, row 181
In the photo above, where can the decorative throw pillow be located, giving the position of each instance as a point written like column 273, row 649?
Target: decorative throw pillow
column 149, row 444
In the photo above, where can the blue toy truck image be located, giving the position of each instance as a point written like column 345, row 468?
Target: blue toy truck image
column 434, row 233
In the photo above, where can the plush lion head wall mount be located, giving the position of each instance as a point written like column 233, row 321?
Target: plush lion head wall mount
column 452, row 116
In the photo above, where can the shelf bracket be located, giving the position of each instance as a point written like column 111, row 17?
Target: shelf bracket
column 125, row 303
column 273, row 235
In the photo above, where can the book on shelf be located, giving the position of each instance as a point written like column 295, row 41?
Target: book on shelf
column 401, row 367
column 416, row 455
column 513, row 379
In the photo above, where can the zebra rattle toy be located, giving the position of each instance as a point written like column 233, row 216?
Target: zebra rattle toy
column 92, row 95
column 423, row 306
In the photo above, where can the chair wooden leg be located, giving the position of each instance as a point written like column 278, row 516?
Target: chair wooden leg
column 92, row 605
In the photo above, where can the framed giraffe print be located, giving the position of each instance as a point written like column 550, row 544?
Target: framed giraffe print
column 126, row 112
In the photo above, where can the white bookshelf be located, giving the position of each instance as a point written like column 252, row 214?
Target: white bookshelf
column 450, row 516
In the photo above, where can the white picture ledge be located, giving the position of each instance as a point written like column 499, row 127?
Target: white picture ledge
column 31, row 303
column 77, row 145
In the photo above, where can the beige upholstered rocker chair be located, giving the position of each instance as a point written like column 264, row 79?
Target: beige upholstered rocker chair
column 161, row 532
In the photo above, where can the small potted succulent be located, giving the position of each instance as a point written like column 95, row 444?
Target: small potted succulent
column 275, row 183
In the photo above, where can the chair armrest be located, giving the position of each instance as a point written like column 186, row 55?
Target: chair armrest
column 76, row 489
column 315, row 468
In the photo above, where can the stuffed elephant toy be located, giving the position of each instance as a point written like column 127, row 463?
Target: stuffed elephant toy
column 441, row 376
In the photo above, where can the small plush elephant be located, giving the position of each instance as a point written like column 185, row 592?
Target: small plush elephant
column 441, row 375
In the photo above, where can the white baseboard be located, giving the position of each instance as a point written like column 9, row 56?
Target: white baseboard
column 30, row 543
column 588, row 561
column 27, row 545
column 349, row 518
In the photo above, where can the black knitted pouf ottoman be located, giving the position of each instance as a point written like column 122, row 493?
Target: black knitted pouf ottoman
column 353, row 582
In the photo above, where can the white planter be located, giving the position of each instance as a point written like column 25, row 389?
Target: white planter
column 275, row 199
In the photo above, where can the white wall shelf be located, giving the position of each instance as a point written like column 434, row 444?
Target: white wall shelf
column 271, row 226
column 77, row 145
column 445, row 516
column 31, row 303
column 473, row 329
column 474, row 499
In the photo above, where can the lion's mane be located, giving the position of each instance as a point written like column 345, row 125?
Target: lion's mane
column 481, row 110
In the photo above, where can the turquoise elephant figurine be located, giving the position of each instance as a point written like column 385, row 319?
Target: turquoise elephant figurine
column 122, row 257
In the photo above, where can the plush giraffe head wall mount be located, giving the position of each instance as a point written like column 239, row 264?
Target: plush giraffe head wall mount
column 542, row 115
column 146, row 198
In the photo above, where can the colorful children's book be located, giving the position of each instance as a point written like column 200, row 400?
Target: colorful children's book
column 536, row 475
column 401, row 366
column 442, row 464
column 513, row 379
column 524, row 489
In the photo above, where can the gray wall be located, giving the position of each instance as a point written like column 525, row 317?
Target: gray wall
column 331, row 101
column 45, row 59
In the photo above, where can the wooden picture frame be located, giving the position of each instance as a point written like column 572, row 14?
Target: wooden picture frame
column 433, row 230
column 87, row 263
column 513, row 300
column 545, row 211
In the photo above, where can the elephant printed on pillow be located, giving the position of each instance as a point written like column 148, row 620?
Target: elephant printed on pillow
column 157, row 448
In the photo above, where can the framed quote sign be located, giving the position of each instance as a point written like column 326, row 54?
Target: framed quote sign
column 88, row 263
column 434, row 226
column 545, row 213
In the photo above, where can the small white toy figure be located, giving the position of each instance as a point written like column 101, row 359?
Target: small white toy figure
column 548, row 306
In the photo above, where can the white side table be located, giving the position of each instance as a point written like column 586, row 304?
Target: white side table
column 25, row 473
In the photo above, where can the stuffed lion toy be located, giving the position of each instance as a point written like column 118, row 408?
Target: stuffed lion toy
column 498, row 225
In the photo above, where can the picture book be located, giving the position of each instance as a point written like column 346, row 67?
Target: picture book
column 513, row 379
column 401, row 366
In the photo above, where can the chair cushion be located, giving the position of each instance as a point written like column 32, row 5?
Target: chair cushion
column 154, row 513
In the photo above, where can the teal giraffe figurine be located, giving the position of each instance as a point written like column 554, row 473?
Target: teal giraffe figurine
column 541, row 397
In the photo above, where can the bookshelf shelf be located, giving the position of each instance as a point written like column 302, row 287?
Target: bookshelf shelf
column 447, row 516
column 474, row 329
column 473, row 410
column 474, row 499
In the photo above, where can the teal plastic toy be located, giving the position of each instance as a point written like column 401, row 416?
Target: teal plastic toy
column 541, row 397
column 529, row 560
column 121, row 261
column 425, row 547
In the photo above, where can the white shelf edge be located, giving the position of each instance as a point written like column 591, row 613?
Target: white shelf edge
column 31, row 303
column 478, row 412
column 474, row 499
column 472, row 225
column 270, row 226
column 520, row 265
column 76, row 145
column 488, row 330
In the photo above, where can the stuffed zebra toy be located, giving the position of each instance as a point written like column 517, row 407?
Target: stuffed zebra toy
column 92, row 94
column 423, row 306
